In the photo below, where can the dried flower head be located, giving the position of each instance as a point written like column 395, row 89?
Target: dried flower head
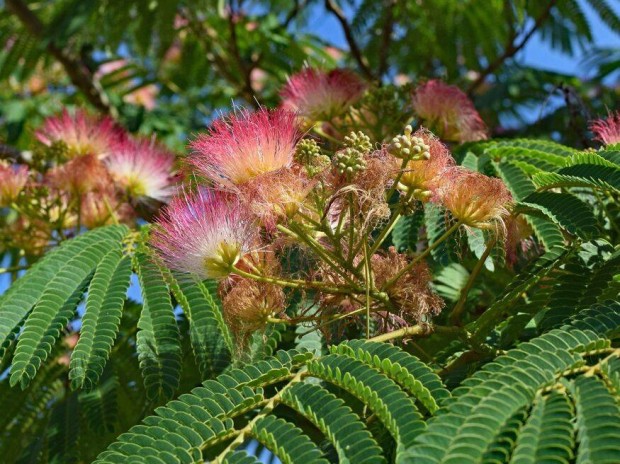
column 13, row 179
column 422, row 176
column 248, row 304
column 102, row 208
column 475, row 199
column 322, row 95
column 277, row 196
column 205, row 233
column 607, row 131
column 80, row 175
column 413, row 295
column 449, row 112
column 81, row 134
column 245, row 145
column 143, row 169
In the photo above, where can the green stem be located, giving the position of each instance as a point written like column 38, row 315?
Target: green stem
column 269, row 407
column 291, row 282
column 421, row 256
column 400, row 333
column 327, row 257
column 455, row 315
column 390, row 192
column 4, row 270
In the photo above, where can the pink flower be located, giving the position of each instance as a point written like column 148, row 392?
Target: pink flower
column 246, row 145
column 426, row 174
column 276, row 197
column 205, row 234
column 81, row 134
column 475, row 199
column 448, row 112
column 80, row 175
column 143, row 168
column 607, row 131
column 320, row 95
column 13, row 179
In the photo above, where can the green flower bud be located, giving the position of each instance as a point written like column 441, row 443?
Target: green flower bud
column 358, row 141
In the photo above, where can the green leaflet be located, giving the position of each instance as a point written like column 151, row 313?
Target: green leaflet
column 100, row 323
column 158, row 343
column 405, row 369
column 27, row 290
column 547, row 436
column 598, row 422
column 564, row 209
column 286, row 441
column 210, row 336
column 352, row 441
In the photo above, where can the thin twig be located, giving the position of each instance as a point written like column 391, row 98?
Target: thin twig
column 386, row 37
column 333, row 8
column 512, row 49
column 455, row 315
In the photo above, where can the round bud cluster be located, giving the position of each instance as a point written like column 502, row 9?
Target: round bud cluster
column 409, row 147
column 58, row 150
column 308, row 154
column 349, row 161
column 306, row 150
column 358, row 141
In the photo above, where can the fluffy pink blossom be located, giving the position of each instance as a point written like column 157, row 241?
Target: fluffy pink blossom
column 13, row 179
column 322, row 95
column 245, row 145
column 607, row 131
column 81, row 133
column 204, row 234
column 426, row 174
column 475, row 199
column 448, row 112
column 143, row 168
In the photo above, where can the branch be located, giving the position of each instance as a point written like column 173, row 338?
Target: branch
column 512, row 49
column 246, row 72
column 333, row 8
column 207, row 38
column 386, row 37
column 8, row 152
column 80, row 75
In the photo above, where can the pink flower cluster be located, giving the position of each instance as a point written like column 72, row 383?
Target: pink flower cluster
column 321, row 96
column 247, row 159
column 448, row 111
column 607, row 131
column 98, row 151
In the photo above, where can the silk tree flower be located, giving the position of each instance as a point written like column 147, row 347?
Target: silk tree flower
column 277, row 196
column 607, row 131
column 80, row 134
column 205, row 233
column 413, row 296
column 475, row 199
column 248, row 304
column 425, row 174
column 80, row 175
column 13, row 179
column 449, row 112
column 246, row 145
column 143, row 169
column 322, row 95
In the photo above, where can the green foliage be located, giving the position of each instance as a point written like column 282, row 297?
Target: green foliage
column 526, row 394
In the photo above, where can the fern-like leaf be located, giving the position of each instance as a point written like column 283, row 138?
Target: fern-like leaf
column 158, row 339
column 101, row 321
